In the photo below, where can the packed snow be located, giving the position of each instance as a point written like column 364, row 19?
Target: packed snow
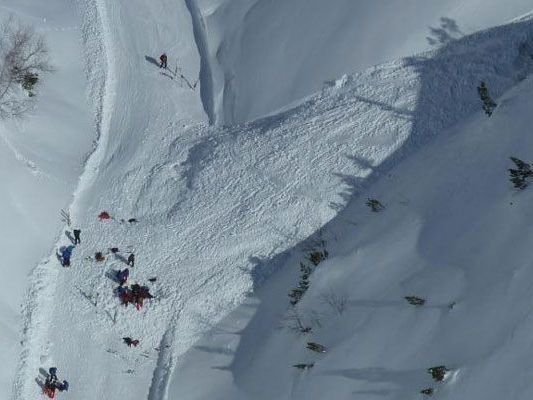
column 224, row 213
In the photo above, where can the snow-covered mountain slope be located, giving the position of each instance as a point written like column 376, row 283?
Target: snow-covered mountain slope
column 216, row 205
column 41, row 158
column 454, row 231
column 263, row 54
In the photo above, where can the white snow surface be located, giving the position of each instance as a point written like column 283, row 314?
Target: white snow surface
column 41, row 158
column 227, row 212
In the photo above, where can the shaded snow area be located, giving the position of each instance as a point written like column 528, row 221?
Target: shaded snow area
column 453, row 231
column 225, row 213
column 266, row 53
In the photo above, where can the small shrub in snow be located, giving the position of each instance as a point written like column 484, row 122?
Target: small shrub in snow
column 28, row 81
column 415, row 301
column 337, row 302
column 427, row 392
column 316, row 347
column 317, row 254
column 520, row 174
column 375, row 205
column 297, row 293
column 438, row 373
column 316, row 257
column 488, row 104
column 304, row 366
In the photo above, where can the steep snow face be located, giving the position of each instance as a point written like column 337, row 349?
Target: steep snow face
column 40, row 160
column 265, row 54
column 454, row 231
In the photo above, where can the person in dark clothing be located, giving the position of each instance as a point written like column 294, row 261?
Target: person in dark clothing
column 62, row 386
column 52, row 383
column 131, row 342
column 163, row 59
column 52, row 374
column 131, row 260
column 122, row 276
column 77, row 233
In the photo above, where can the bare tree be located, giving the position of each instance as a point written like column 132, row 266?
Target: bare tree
column 293, row 321
column 23, row 59
column 335, row 301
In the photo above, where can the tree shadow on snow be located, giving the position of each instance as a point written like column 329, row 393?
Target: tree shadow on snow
column 376, row 303
column 401, row 113
column 375, row 392
column 445, row 33
column 408, row 381
column 215, row 350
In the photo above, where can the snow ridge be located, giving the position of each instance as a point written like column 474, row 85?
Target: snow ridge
column 206, row 75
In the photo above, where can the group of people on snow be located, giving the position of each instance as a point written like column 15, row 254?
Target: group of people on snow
column 135, row 293
column 52, row 383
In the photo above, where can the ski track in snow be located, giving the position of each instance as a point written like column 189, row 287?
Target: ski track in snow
column 211, row 202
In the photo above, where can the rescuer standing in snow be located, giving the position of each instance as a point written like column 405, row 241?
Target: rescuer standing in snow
column 163, row 59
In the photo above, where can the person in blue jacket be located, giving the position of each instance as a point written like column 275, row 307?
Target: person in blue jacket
column 122, row 276
column 65, row 255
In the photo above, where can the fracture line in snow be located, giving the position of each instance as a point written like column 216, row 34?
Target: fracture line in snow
column 43, row 280
column 206, row 74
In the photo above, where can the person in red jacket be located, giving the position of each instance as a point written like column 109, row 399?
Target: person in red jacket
column 163, row 59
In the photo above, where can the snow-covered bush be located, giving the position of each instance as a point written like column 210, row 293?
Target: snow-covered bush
column 23, row 59
column 375, row 205
column 520, row 174
column 438, row 373
column 317, row 254
column 316, row 257
column 488, row 104
column 297, row 293
column 415, row 301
